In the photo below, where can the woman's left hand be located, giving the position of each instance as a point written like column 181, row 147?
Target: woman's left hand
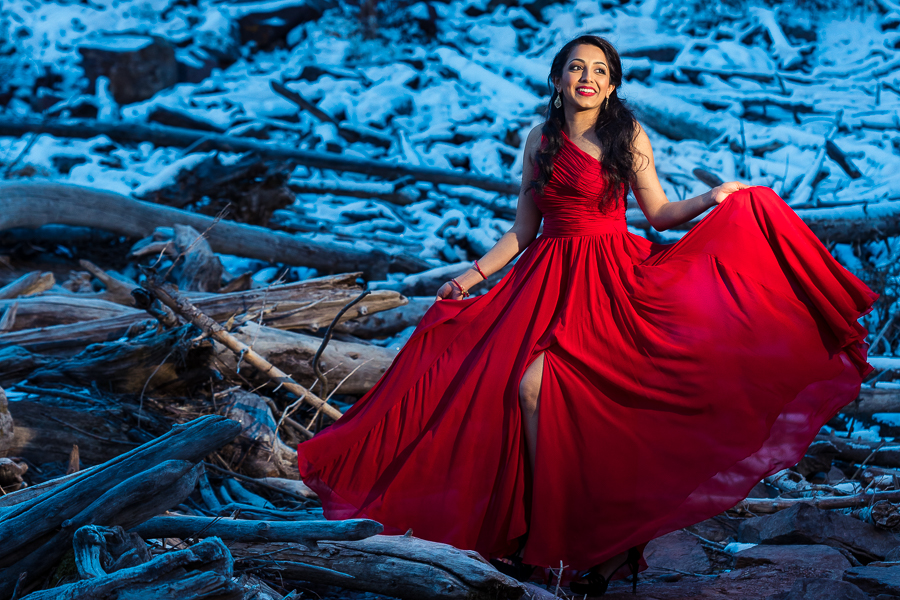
column 720, row 192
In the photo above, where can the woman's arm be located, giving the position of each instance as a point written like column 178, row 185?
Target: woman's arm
column 511, row 243
column 661, row 213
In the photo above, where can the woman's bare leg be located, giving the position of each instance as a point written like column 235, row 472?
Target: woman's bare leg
column 530, row 401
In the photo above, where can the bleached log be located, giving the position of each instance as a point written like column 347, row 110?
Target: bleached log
column 101, row 550
column 304, row 532
column 309, row 304
column 257, row 451
column 293, row 353
column 859, row 451
column 168, row 296
column 388, row 322
column 199, row 572
column 8, row 317
column 398, row 566
column 33, row 204
column 27, row 285
column 772, row 505
column 874, row 400
column 125, row 491
column 174, row 136
column 118, row 288
column 44, row 311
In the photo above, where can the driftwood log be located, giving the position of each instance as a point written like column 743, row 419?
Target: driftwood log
column 359, row 366
column 176, row 136
column 166, row 294
column 201, row 571
column 307, row 304
column 400, row 566
column 124, row 491
column 31, row 283
column 33, row 204
column 303, row 532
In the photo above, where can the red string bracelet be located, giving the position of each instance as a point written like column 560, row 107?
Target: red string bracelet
column 480, row 272
column 461, row 290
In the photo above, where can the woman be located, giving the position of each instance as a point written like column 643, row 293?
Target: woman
column 608, row 390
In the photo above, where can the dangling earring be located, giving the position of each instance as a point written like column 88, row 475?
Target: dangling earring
column 558, row 102
column 605, row 104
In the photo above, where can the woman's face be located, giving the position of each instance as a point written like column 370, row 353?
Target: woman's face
column 584, row 84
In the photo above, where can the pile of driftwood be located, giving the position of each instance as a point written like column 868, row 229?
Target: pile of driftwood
column 187, row 404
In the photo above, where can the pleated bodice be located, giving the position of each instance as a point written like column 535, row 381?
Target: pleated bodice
column 571, row 200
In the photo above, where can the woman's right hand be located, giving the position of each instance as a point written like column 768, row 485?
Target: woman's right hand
column 448, row 291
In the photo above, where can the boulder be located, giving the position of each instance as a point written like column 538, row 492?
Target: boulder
column 677, row 550
column 820, row 556
column 876, row 579
column 805, row 524
column 820, row 589
column 137, row 66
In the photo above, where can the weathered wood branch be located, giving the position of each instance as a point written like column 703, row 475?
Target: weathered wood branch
column 307, row 304
column 304, row 532
column 399, row 566
column 175, row 136
column 33, row 204
column 293, row 352
column 201, row 571
column 766, row 505
column 183, row 307
column 31, row 283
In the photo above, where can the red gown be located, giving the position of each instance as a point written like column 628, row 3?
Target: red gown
column 675, row 377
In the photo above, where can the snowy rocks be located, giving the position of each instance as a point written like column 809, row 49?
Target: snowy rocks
column 137, row 66
column 805, row 524
column 880, row 578
column 677, row 550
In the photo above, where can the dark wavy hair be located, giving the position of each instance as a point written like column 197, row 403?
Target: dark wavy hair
column 616, row 129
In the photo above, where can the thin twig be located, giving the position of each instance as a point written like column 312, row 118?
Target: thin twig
column 327, row 338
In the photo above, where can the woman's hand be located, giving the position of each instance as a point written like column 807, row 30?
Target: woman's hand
column 720, row 192
column 448, row 291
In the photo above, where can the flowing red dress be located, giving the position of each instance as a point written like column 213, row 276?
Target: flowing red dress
column 675, row 377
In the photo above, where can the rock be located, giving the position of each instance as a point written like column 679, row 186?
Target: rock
column 818, row 458
column 881, row 579
column 806, row 524
column 268, row 22
column 824, row 557
column 820, row 589
column 137, row 66
column 720, row 528
column 677, row 550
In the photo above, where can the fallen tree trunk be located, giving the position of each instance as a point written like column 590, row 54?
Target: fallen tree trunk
column 44, row 311
column 388, row 322
column 303, row 532
column 32, row 283
column 874, row 400
column 859, row 451
column 398, row 566
column 176, row 136
column 293, row 353
column 846, row 224
column 307, row 304
column 773, row 505
column 199, row 572
column 34, row 204
column 168, row 296
column 125, row 491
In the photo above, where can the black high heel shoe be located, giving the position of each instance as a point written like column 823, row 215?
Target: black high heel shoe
column 596, row 583
column 517, row 570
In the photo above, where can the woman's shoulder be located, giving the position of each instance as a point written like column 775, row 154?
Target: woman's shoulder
column 534, row 140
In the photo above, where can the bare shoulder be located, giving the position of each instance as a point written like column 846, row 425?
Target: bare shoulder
column 643, row 151
column 533, row 141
